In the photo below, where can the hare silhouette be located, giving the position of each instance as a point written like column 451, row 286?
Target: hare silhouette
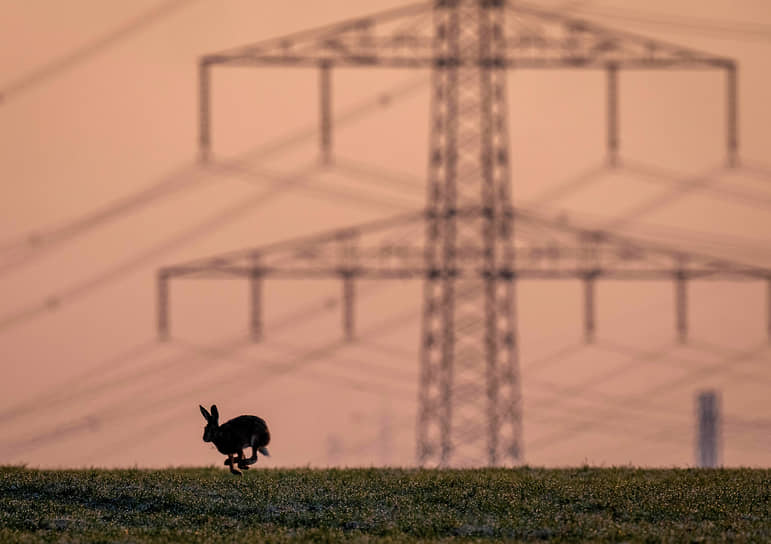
column 234, row 435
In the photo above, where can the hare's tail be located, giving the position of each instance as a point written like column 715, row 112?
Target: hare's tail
column 263, row 450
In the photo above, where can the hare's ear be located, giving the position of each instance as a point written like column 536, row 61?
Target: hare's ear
column 206, row 414
column 214, row 412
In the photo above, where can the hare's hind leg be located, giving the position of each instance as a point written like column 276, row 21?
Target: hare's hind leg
column 253, row 459
column 240, row 461
column 233, row 468
column 243, row 464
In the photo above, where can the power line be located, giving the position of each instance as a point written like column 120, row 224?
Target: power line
column 46, row 401
column 757, row 169
column 205, row 227
column 78, row 396
column 713, row 243
column 32, row 245
column 759, row 199
column 553, row 358
column 645, row 396
column 252, row 175
column 596, row 399
column 748, row 424
column 403, row 180
column 278, row 184
column 221, row 350
column 715, row 349
column 593, row 175
column 378, row 370
column 51, row 236
column 229, row 214
column 680, row 433
column 571, row 393
column 616, row 403
column 584, row 178
column 382, row 101
column 79, row 425
column 536, row 364
column 584, row 421
column 167, row 183
column 737, row 30
column 673, row 432
column 346, row 381
column 732, row 372
column 362, row 365
column 575, row 391
column 69, row 393
column 681, row 188
column 621, row 404
column 632, row 365
column 64, row 63
column 302, row 359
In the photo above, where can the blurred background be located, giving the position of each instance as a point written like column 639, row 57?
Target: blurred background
column 101, row 186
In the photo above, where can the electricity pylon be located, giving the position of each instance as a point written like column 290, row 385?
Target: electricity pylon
column 475, row 244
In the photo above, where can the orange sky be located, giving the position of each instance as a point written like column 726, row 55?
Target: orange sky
column 123, row 119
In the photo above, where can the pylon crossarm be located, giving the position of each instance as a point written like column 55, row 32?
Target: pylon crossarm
column 568, row 39
column 310, row 271
column 395, row 248
column 535, row 38
column 616, row 251
column 294, row 245
column 345, row 39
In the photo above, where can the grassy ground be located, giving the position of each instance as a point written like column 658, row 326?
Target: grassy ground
column 374, row 505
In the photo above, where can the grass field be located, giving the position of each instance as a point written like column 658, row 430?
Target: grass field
column 385, row 505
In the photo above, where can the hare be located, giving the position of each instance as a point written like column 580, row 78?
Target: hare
column 233, row 436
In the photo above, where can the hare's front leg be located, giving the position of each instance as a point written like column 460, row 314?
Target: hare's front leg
column 233, row 468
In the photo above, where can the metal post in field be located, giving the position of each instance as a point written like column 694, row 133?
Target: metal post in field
column 708, row 439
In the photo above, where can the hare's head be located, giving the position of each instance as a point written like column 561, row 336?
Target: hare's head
column 212, row 423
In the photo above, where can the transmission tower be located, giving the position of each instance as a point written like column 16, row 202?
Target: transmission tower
column 475, row 245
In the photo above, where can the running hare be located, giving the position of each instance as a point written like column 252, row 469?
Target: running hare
column 233, row 436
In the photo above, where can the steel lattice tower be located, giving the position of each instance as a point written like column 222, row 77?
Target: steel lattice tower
column 469, row 376
column 476, row 244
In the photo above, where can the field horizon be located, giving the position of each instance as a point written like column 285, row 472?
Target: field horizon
column 521, row 504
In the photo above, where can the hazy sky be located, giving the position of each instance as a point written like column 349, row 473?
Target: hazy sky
column 101, row 188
